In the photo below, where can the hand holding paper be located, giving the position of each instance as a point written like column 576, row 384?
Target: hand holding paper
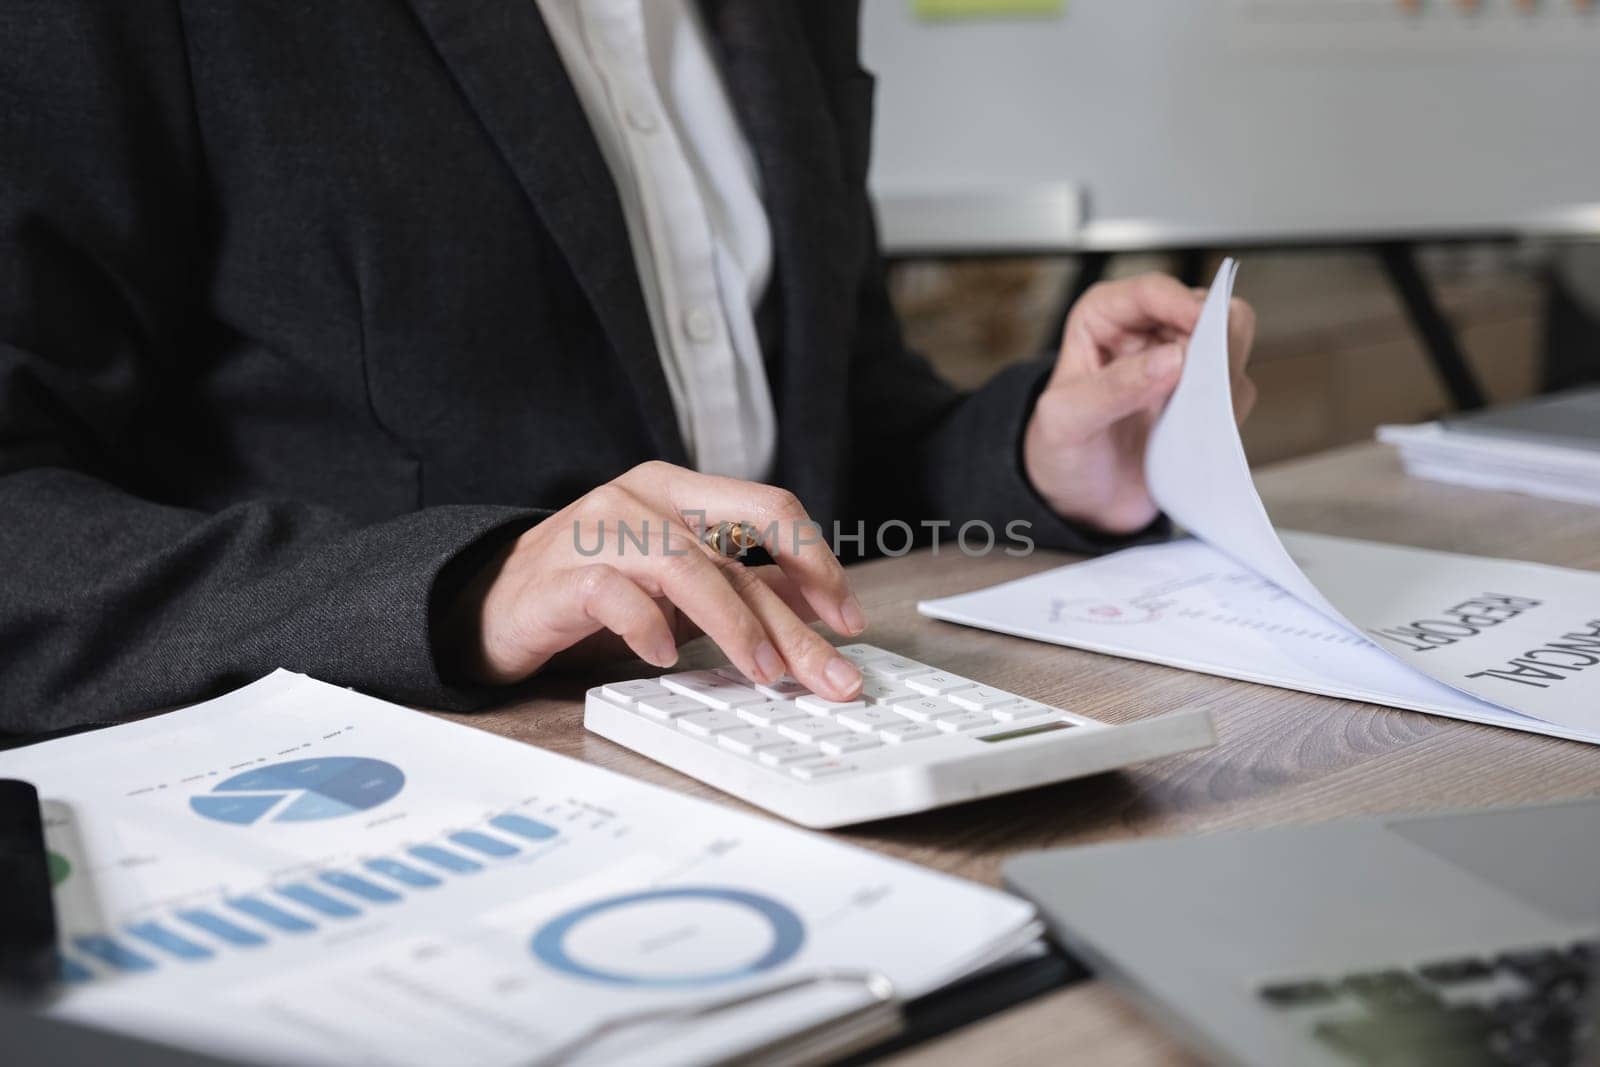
column 1121, row 355
column 1520, row 635
column 1512, row 643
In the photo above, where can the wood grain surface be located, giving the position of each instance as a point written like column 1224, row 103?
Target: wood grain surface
column 1283, row 757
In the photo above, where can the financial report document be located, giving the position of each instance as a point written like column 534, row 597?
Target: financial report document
column 1186, row 605
column 1497, row 641
column 295, row 873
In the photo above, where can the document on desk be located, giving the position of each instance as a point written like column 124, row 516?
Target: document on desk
column 1512, row 643
column 295, row 873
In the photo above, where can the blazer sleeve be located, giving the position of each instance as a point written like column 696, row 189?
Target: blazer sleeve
column 924, row 450
column 111, row 601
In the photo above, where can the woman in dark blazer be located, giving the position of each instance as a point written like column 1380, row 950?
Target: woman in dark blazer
column 322, row 346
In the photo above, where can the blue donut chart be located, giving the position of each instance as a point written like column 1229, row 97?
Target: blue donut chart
column 788, row 934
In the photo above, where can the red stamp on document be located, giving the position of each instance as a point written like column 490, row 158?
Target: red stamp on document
column 1106, row 612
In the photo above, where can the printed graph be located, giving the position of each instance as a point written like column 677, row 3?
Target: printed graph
column 324, row 898
column 671, row 937
column 304, row 790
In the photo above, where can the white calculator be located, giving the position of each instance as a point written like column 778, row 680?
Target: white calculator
column 916, row 738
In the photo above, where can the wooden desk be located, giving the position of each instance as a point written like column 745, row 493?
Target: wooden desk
column 1284, row 757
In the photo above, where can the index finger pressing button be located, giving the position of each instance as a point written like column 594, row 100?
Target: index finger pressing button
column 893, row 667
column 784, row 688
column 822, row 706
column 859, row 653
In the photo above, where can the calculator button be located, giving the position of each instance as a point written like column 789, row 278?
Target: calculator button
column 628, row 692
column 938, row 683
column 669, row 706
column 1021, row 709
column 926, row 709
column 769, row 714
column 907, row 731
column 813, row 728
column 859, row 654
column 821, row 768
column 712, row 689
column 883, row 691
column 709, row 723
column 894, row 668
column 838, row 746
column 751, row 739
column 866, row 720
column 790, row 752
column 784, row 688
column 732, row 674
column 980, row 698
column 967, row 720
column 820, row 706
column 1044, row 724
column 1031, row 720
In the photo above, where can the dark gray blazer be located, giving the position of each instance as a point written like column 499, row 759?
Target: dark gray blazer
column 301, row 302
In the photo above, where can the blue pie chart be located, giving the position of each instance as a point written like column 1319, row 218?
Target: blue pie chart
column 749, row 932
column 302, row 790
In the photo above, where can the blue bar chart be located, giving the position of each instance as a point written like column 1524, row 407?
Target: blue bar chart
column 113, row 953
column 318, row 901
column 443, row 858
column 155, row 934
column 302, row 906
column 218, row 927
column 522, row 826
column 360, row 887
column 403, row 873
column 273, row 916
column 484, row 844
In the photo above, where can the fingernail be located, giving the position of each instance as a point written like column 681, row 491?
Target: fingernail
column 768, row 662
column 665, row 654
column 842, row 674
column 1164, row 363
column 854, row 619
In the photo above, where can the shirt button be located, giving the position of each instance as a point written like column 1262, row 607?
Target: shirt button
column 700, row 324
column 640, row 115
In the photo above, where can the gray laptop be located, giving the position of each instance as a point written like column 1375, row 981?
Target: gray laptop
column 1568, row 420
column 1464, row 938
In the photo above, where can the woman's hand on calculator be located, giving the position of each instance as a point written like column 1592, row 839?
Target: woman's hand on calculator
column 627, row 561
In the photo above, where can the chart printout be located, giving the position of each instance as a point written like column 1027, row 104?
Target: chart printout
column 1184, row 604
column 297, row 873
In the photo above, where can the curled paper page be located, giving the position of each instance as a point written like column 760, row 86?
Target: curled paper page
column 1523, row 636
column 1196, row 467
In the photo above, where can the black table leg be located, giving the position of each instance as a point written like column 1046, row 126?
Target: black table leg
column 1091, row 268
column 1191, row 267
column 1438, row 337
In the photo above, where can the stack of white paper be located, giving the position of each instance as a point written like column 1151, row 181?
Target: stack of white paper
column 295, row 873
column 1441, row 454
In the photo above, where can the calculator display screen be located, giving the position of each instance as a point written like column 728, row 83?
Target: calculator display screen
column 1027, row 731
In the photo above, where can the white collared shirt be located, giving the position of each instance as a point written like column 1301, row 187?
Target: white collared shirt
column 690, row 193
